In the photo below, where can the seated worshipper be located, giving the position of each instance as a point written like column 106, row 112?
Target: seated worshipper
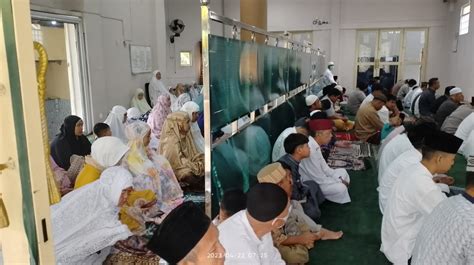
column 299, row 233
column 308, row 193
column 427, row 99
column 412, row 94
column 233, row 201
column 447, row 235
column 402, row 143
column 340, row 122
column 356, row 98
column 442, row 99
column 177, row 146
column 70, row 141
column 467, row 148
column 102, row 129
column 139, row 101
column 334, row 183
column 186, row 236
column 404, row 89
column 85, row 222
column 465, row 128
column 61, row 177
column 301, row 127
column 156, row 87
column 376, row 89
column 182, row 97
column 151, row 171
column 106, row 152
column 387, row 129
column 415, row 195
column 268, row 208
column 452, row 122
column 157, row 118
column 449, row 106
column 313, row 103
column 367, row 122
column 133, row 114
column 390, row 111
column 193, row 111
column 398, row 159
column 116, row 120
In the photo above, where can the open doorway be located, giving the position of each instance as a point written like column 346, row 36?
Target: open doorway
column 66, row 77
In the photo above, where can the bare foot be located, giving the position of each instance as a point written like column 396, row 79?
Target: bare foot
column 330, row 235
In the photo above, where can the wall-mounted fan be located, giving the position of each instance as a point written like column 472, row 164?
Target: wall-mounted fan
column 176, row 27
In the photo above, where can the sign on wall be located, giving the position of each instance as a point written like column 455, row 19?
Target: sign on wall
column 140, row 59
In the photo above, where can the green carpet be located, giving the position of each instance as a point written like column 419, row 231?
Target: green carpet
column 360, row 221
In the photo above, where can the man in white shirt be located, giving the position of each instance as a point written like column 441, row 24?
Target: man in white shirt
column 398, row 160
column 465, row 129
column 412, row 95
column 186, row 236
column 328, row 74
column 334, row 183
column 246, row 236
column 279, row 148
column 415, row 195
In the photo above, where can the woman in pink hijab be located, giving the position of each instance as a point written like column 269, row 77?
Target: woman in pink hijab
column 157, row 117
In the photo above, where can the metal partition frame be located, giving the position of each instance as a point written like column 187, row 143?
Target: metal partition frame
column 206, row 17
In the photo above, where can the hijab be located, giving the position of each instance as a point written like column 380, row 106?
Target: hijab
column 133, row 114
column 108, row 150
column 115, row 121
column 66, row 143
column 137, row 159
column 158, row 115
column 177, row 145
column 140, row 104
column 156, row 87
column 190, row 107
column 86, row 220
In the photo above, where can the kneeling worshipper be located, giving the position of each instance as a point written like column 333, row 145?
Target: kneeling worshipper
column 368, row 125
column 402, row 143
column 182, row 97
column 313, row 103
column 233, row 201
column 133, row 114
column 86, row 223
column 116, row 120
column 449, row 106
column 447, row 234
column 297, row 236
column 268, row 208
column 452, row 122
column 334, row 183
column 177, row 146
column 301, row 127
column 106, row 152
column 308, row 193
column 70, row 141
column 151, row 171
column 139, row 101
column 186, row 236
column 157, row 118
column 192, row 109
column 340, row 122
column 399, row 160
column 415, row 195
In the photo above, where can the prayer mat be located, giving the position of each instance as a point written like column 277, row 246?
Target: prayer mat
column 346, row 158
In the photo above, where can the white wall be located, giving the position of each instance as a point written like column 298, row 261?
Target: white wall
column 346, row 16
column 189, row 11
column 110, row 27
column 461, row 63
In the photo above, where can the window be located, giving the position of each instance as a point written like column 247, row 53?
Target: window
column 185, row 58
column 464, row 23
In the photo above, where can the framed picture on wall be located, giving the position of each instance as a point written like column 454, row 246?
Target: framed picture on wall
column 185, row 58
column 140, row 59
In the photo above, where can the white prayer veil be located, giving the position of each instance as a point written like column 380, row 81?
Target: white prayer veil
column 86, row 220
column 115, row 121
column 191, row 107
column 108, row 150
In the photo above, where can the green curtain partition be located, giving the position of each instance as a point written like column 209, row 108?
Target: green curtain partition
column 244, row 76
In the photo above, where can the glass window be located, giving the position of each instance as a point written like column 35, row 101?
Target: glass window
column 185, row 58
column 464, row 22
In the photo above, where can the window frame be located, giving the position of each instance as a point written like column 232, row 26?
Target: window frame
column 462, row 16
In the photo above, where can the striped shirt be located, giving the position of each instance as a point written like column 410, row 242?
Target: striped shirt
column 447, row 235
